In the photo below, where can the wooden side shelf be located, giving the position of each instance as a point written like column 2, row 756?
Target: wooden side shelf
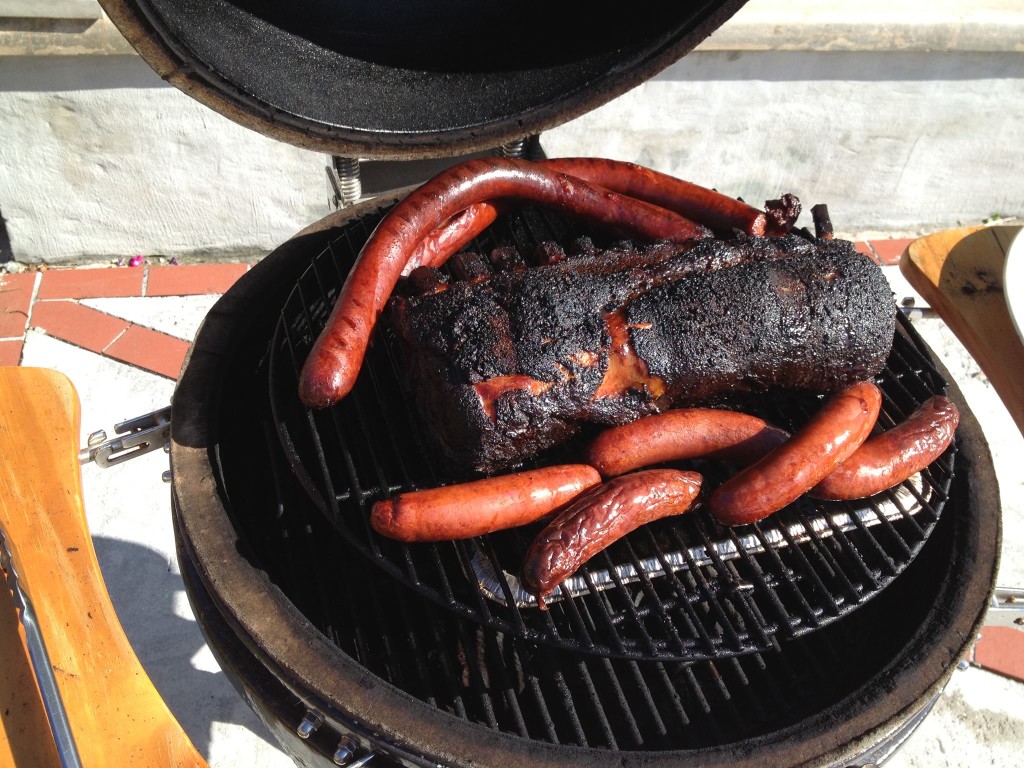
column 960, row 273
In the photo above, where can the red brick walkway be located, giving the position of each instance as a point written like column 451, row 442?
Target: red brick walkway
column 50, row 301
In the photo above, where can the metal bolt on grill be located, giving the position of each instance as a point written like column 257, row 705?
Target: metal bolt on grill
column 682, row 589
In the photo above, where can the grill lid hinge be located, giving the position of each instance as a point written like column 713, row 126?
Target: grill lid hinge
column 344, row 176
column 1006, row 609
column 139, row 435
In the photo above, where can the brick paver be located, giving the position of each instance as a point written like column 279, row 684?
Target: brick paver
column 193, row 279
column 95, row 283
column 10, row 352
column 15, row 300
column 890, row 251
column 77, row 324
column 150, row 349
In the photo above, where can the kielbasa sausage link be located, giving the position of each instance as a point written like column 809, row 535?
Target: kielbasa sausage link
column 333, row 364
column 803, row 461
column 891, row 457
column 693, row 201
column 710, row 208
column 480, row 506
column 680, row 434
column 602, row 516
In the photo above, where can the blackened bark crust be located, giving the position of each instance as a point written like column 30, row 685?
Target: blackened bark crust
column 710, row 320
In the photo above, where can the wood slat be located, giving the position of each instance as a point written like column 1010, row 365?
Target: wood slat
column 960, row 273
column 118, row 718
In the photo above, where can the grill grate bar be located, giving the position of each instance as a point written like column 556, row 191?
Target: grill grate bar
column 310, row 417
column 814, row 570
column 630, row 608
column 887, row 558
column 506, row 688
column 700, row 691
column 701, row 591
column 786, row 577
column 761, row 698
column 906, row 518
column 747, row 615
column 856, row 554
column 761, row 692
column 828, row 561
column 592, row 701
column 652, row 715
column 445, row 676
column 896, row 540
column 940, row 488
column 472, row 671
column 737, row 580
column 694, row 626
column 622, row 708
column 584, row 625
column 483, row 608
column 569, row 707
column 538, row 701
column 906, row 541
column 764, row 587
column 407, row 640
column 669, row 693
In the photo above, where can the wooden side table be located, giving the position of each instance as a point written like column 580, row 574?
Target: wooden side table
column 960, row 273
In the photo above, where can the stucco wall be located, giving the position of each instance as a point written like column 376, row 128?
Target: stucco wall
column 901, row 128
column 101, row 159
column 890, row 141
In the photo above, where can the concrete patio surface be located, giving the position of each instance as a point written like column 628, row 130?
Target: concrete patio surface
column 63, row 324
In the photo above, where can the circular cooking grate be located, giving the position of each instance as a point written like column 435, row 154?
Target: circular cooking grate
column 681, row 589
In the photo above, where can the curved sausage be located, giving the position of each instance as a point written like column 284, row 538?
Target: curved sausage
column 680, row 434
column 452, row 236
column 803, row 461
column 891, row 457
column 480, row 506
column 602, row 516
column 333, row 364
column 710, row 208
column 693, row 201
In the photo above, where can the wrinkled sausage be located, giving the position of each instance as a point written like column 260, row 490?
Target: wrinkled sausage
column 602, row 516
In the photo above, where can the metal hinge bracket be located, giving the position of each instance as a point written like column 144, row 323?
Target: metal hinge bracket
column 1006, row 608
column 139, row 435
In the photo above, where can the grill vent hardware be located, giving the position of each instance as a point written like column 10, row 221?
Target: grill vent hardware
column 684, row 589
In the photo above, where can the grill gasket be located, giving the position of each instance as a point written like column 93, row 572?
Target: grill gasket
column 345, row 460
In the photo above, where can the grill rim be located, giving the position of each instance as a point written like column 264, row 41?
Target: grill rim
column 272, row 628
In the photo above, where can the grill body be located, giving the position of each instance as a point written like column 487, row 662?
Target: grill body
column 302, row 620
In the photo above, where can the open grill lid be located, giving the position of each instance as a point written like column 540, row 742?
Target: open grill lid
column 398, row 80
